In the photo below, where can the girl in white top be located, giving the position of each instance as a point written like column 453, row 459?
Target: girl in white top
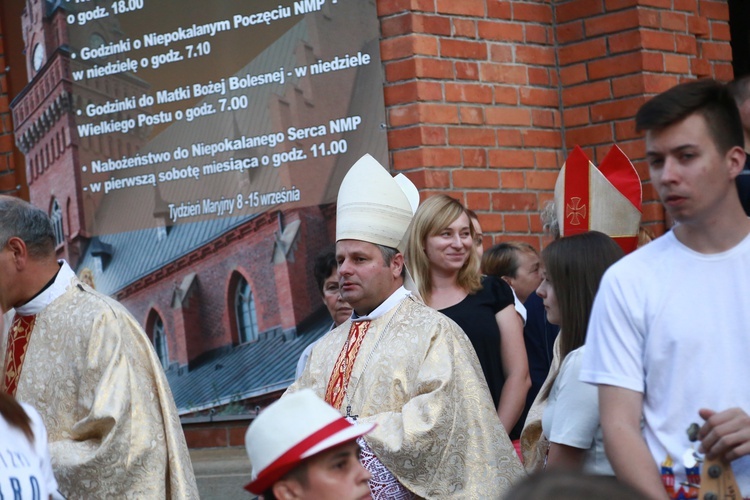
column 25, row 468
column 573, row 268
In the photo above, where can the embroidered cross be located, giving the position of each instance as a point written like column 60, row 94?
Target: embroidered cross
column 576, row 211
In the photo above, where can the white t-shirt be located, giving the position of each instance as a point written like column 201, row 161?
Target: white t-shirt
column 571, row 416
column 674, row 324
column 25, row 468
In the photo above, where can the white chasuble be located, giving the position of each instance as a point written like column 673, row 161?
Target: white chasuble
column 113, row 428
column 418, row 377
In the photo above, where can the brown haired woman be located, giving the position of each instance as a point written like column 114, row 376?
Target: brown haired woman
column 573, row 269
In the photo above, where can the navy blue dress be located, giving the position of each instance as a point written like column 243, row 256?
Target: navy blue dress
column 476, row 317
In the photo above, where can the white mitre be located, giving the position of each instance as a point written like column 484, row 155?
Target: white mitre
column 375, row 207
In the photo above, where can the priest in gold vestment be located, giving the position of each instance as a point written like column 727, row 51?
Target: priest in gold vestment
column 89, row 369
column 403, row 365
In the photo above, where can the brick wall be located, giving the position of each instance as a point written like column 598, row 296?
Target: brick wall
column 472, row 105
column 632, row 50
column 485, row 98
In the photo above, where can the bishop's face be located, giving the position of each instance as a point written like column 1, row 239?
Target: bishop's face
column 365, row 279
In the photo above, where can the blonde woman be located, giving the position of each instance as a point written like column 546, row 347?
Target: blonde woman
column 444, row 264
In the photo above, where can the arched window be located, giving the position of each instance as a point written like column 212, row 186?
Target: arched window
column 57, row 222
column 160, row 342
column 244, row 310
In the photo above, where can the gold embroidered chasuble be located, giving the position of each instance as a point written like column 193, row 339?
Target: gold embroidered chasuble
column 112, row 424
column 420, row 380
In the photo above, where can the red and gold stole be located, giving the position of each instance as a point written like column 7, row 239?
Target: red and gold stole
column 18, row 342
column 342, row 370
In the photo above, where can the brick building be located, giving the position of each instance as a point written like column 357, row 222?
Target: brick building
column 483, row 100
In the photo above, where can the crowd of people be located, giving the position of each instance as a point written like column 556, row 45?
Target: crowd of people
column 448, row 372
column 647, row 342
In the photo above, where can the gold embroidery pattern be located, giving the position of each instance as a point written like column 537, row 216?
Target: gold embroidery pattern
column 342, row 370
column 93, row 376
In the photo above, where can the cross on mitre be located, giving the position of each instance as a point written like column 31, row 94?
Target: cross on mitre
column 576, row 211
column 606, row 199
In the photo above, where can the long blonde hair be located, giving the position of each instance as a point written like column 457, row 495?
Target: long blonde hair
column 435, row 214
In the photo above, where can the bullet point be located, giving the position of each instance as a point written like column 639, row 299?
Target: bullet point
column 73, row 55
column 83, row 168
column 78, row 112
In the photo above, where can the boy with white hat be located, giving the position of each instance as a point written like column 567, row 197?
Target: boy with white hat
column 301, row 448
column 401, row 364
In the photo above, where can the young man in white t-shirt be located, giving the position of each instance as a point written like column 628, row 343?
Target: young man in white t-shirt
column 669, row 337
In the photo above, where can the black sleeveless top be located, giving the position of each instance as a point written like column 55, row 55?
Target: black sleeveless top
column 476, row 317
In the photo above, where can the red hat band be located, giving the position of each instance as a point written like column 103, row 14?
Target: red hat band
column 293, row 456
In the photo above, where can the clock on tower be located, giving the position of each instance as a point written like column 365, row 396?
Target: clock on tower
column 38, row 56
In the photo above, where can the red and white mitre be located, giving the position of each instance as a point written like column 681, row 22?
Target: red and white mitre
column 606, row 199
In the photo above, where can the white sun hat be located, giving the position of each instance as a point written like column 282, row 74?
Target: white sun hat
column 290, row 430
